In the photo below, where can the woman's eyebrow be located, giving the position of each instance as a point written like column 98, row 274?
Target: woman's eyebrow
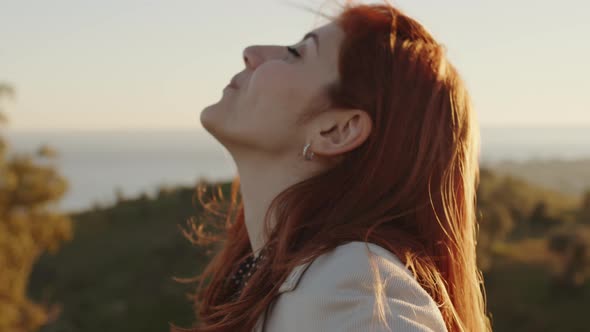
column 314, row 36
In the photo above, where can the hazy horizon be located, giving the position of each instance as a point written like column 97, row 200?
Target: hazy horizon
column 135, row 161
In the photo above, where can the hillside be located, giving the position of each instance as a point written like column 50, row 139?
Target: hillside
column 116, row 273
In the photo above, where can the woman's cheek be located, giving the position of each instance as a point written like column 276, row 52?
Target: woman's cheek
column 273, row 75
column 277, row 87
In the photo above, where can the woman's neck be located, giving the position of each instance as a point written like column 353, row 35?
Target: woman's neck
column 258, row 187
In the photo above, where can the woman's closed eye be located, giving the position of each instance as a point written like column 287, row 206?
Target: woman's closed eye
column 293, row 51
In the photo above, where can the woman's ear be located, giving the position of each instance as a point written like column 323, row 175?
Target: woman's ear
column 340, row 131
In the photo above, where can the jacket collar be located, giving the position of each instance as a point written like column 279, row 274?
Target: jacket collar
column 293, row 279
column 288, row 285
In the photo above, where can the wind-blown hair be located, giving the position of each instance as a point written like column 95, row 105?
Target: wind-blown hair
column 409, row 188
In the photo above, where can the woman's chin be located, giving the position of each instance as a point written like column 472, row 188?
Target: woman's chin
column 209, row 115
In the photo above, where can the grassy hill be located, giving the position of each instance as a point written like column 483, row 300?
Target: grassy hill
column 116, row 273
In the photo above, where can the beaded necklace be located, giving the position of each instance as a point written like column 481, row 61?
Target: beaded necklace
column 246, row 269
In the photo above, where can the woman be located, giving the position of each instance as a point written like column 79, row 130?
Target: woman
column 357, row 153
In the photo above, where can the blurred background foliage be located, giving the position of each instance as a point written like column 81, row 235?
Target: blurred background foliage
column 29, row 227
column 114, row 268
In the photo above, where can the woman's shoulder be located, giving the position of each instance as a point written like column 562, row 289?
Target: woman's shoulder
column 350, row 287
column 363, row 267
column 358, row 258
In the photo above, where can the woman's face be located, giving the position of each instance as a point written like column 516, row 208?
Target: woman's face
column 272, row 92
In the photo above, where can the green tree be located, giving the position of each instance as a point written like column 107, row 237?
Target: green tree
column 6, row 92
column 585, row 208
column 572, row 250
column 540, row 219
column 29, row 226
column 495, row 224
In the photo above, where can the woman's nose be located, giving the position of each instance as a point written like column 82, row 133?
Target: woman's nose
column 257, row 54
column 251, row 57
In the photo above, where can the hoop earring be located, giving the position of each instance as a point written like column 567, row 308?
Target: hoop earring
column 305, row 149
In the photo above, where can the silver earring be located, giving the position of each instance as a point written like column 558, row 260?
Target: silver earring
column 305, row 149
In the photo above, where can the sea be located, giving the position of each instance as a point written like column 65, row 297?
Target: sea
column 98, row 164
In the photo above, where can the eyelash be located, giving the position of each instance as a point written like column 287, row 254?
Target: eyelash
column 293, row 51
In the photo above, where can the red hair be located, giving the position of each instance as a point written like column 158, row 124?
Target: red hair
column 409, row 188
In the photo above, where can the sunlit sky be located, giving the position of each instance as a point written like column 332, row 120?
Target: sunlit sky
column 115, row 64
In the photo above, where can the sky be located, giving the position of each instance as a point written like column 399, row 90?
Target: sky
column 129, row 64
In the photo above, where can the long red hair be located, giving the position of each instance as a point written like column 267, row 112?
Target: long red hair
column 410, row 187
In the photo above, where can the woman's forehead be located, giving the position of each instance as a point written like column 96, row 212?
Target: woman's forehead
column 330, row 37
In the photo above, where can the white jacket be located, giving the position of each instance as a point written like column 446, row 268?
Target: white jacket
column 335, row 293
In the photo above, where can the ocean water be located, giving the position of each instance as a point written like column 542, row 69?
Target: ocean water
column 97, row 163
